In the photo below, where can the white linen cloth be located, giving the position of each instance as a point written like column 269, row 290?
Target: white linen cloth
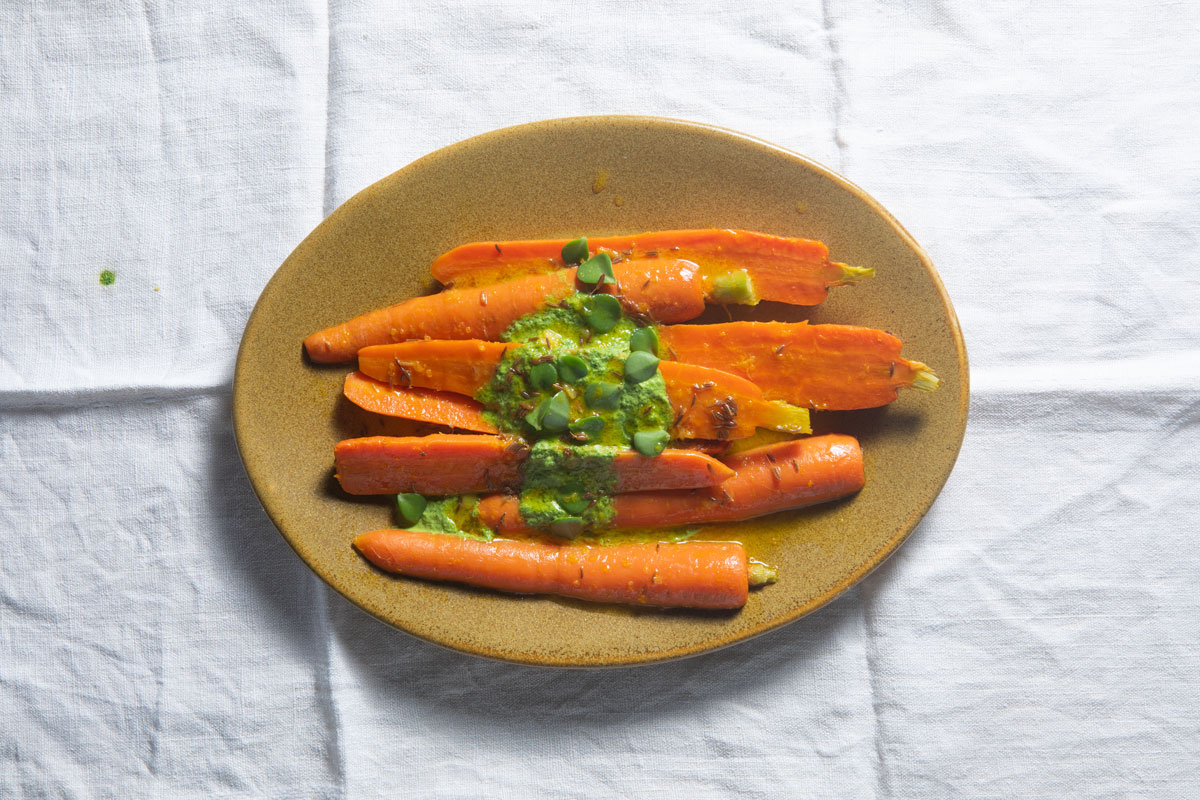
column 1036, row 637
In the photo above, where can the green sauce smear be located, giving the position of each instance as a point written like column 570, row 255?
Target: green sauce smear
column 568, row 478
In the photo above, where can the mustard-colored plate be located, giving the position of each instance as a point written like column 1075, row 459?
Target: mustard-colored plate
column 562, row 178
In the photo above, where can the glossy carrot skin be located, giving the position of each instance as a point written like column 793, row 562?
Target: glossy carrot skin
column 713, row 404
column 687, row 574
column 785, row 269
column 837, row 367
column 708, row 403
column 463, row 365
column 438, row 464
column 423, row 405
column 453, row 314
column 666, row 290
column 777, row 477
column 444, row 464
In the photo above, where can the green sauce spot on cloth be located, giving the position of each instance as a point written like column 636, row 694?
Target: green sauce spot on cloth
column 108, row 277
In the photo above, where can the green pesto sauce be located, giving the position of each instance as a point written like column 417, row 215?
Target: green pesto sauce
column 108, row 277
column 453, row 515
column 562, row 466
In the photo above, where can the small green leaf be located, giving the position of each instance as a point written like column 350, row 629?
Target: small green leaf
column 602, row 395
column 534, row 418
column 587, row 428
column 572, row 369
column 644, row 340
column 650, row 443
column 597, row 267
column 543, row 376
column 602, row 312
column 575, row 251
column 556, row 413
column 574, row 504
column 640, row 366
column 410, row 507
column 589, row 272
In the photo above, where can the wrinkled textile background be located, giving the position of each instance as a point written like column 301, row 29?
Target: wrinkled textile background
column 1037, row 636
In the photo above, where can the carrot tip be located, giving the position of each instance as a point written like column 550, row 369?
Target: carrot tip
column 924, row 378
column 852, row 275
column 761, row 574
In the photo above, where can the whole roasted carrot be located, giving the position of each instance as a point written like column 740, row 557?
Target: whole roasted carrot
column 444, row 464
column 667, row 290
column 785, row 269
column 833, row 367
column 423, row 405
column 708, row 403
column 777, row 477
column 682, row 574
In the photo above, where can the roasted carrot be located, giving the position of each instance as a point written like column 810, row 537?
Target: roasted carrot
column 777, row 477
column 464, row 365
column 442, row 464
column 667, row 290
column 816, row 366
column 785, row 269
column 708, row 403
column 711, row 404
column 423, row 405
column 683, row 574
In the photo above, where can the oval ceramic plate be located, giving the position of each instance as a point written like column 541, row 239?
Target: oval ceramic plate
column 593, row 175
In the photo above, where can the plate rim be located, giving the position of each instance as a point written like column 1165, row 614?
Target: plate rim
column 240, row 402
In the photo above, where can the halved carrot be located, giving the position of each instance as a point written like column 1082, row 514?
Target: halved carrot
column 712, row 404
column 683, row 574
column 786, row 269
column 667, row 290
column 817, row 366
column 463, row 365
column 439, row 464
column 777, row 477
column 708, row 403
column 423, row 405
column 443, row 464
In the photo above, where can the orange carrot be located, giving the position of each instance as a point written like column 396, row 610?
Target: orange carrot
column 711, row 404
column 464, row 365
column 786, row 269
column 442, row 464
column 685, row 574
column 816, row 366
column 777, row 477
column 667, row 290
column 708, row 403
column 422, row 405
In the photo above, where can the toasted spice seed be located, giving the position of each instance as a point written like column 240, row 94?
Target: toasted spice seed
column 483, row 298
column 651, row 254
column 498, row 250
column 727, row 495
column 776, row 473
column 892, row 372
column 647, row 283
column 405, row 375
column 771, row 458
column 673, row 249
column 779, row 350
column 671, row 351
column 795, row 466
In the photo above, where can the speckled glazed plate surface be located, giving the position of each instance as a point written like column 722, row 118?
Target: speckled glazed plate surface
column 561, row 178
